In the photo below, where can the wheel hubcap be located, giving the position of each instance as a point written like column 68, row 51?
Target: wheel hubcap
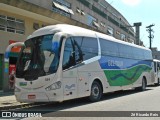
column 95, row 91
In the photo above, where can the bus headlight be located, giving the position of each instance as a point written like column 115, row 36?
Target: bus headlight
column 16, row 89
column 54, row 86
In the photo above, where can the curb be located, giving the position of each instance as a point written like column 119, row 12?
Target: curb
column 21, row 106
column 25, row 105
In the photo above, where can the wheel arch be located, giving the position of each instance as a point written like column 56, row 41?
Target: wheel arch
column 99, row 81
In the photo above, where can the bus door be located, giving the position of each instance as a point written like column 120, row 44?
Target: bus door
column 155, row 71
column 72, row 59
column 70, row 83
column 69, row 74
column 158, row 70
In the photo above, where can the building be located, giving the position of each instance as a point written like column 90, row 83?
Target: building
column 155, row 53
column 19, row 18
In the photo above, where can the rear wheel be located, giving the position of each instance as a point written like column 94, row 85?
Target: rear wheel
column 158, row 82
column 143, row 87
column 96, row 92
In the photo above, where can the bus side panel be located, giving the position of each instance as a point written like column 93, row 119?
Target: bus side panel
column 90, row 72
column 158, row 75
column 156, row 71
column 86, row 75
column 70, row 83
column 123, row 71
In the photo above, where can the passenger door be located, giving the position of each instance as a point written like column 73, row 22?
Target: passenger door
column 155, row 71
column 158, row 70
column 70, row 83
column 71, row 58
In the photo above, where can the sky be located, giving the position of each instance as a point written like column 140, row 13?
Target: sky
column 145, row 11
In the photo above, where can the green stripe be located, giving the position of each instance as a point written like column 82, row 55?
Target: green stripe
column 127, row 76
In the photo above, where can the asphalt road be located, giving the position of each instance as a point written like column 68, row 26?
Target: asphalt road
column 129, row 100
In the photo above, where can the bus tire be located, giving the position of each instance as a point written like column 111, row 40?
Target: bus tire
column 158, row 82
column 144, row 84
column 96, row 92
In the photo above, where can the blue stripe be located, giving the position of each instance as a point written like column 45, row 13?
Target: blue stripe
column 108, row 62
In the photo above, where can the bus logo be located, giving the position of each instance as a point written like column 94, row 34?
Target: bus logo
column 70, row 87
column 23, row 84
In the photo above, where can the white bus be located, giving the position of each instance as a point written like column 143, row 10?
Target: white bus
column 63, row 62
column 157, row 71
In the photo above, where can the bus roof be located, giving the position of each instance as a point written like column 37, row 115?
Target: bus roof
column 77, row 31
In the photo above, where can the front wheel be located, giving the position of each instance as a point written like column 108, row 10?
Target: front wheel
column 96, row 92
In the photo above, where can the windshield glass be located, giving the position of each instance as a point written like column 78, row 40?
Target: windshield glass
column 38, row 58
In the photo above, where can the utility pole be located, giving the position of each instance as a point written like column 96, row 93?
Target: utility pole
column 151, row 36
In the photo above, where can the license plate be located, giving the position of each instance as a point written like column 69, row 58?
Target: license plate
column 31, row 96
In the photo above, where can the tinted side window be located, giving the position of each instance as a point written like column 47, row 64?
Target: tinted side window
column 158, row 66
column 88, row 45
column 109, row 47
column 125, row 51
column 147, row 54
column 68, row 57
column 155, row 67
column 138, row 53
column 77, row 52
column 72, row 53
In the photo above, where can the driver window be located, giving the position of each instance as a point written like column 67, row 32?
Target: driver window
column 72, row 54
column 68, row 57
column 78, row 53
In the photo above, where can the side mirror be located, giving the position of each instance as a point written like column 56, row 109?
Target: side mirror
column 10, row 47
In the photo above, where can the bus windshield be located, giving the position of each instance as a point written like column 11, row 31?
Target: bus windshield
column 38, row 58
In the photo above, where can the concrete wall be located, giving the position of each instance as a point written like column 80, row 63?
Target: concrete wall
column 6, row 36
column 82, row 18
column 42, row 3
column 109, row 10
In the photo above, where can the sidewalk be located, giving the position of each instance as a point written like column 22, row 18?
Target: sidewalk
column 8, row 101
